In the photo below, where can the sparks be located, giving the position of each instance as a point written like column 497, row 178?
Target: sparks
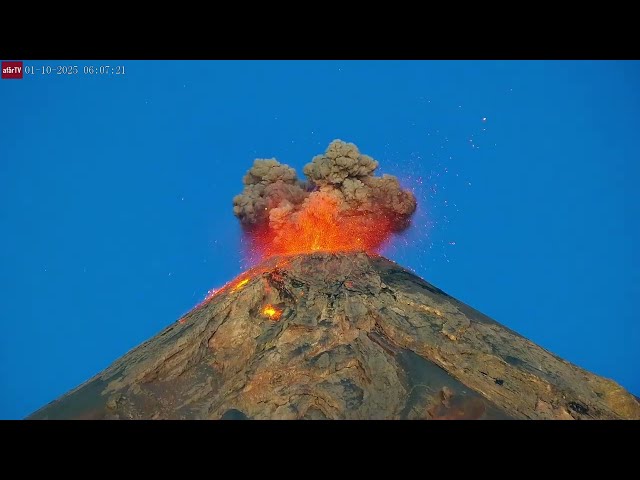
column 272, row 312
column 210, row 294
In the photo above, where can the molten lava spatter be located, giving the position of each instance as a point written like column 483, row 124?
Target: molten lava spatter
column 320, row 227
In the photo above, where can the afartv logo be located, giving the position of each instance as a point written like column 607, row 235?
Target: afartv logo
column 12, row 70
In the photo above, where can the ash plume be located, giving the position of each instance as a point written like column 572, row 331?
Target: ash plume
column 268, row 185
column 341, row 198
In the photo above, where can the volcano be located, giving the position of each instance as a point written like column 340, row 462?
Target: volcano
column 339, row 336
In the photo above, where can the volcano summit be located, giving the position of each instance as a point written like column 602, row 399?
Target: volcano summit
column 340, row 336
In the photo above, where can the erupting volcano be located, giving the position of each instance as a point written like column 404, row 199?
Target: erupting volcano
column 341, row 207
column 324, row 328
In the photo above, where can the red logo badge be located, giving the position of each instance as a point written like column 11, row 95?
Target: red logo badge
column 12, row 70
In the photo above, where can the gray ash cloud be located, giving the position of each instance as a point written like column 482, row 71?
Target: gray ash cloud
column 273, row 193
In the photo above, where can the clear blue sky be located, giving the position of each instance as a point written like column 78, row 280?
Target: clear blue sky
column 116, row 197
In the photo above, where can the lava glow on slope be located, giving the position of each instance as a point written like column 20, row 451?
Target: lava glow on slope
column 233, row 286
column 272, row 312
column 320, row 227
column 240, row 284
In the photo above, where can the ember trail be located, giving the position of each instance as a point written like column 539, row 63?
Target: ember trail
column 341, row 206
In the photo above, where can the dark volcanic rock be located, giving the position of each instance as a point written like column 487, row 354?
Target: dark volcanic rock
column 344, row 336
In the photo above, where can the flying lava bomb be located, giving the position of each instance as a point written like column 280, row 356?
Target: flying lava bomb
column 341, row 206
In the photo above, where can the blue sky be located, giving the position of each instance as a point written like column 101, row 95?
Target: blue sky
column 116, row 196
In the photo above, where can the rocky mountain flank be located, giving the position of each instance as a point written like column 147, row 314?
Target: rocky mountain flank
column 340, row 336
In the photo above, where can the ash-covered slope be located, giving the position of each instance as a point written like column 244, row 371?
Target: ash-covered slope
column 340, row 336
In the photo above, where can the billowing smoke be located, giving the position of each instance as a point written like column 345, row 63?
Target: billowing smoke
column 341, row 205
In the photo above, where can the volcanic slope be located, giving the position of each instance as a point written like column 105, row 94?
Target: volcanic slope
column 340, row 336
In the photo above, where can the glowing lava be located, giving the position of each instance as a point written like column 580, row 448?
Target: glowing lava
column 321, row 227
column 240, row 284
column 233, row 286
column 272, row 312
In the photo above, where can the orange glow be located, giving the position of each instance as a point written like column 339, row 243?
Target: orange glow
column 272, row 312
column 240, row 284
column 320, row 227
